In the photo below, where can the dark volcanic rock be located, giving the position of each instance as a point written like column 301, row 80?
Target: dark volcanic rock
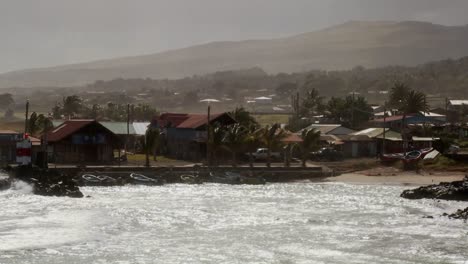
column 4, row 184
column 457, row 190
column 49, row 182
column 460, row 214
column 57, row 187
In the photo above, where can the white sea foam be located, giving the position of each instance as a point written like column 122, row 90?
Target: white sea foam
column 22, row 187
column 276, row 223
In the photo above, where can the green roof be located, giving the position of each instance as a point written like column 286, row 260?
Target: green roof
column 119, row 128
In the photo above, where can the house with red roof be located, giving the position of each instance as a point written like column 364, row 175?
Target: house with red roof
column 82, row 142
column 185, row 134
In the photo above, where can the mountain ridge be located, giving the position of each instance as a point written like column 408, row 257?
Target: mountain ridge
column 343, row 46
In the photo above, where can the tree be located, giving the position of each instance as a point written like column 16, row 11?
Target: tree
column 72, row 105
column 252, row 142
column 398, row 94
column 57, row 111
column 312, row 103
column 149, row 143
column 243, row 117
column 414, row 102
column 336, row 109
column 234, row 139
column 95, row 111
column 38, row 124
column 271, row 137
column 351, row 111
column 360, row 113
column 216, row 141
column 310, row 142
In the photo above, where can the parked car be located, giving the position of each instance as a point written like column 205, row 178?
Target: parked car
column 327, row 154
column 262, row 153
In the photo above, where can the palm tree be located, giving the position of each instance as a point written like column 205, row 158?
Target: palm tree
column 149, row 143
column 310, row 142
column 216, row 141
column 398, row 93
column 243, row 117
column 252, row 142
column 271, row 137
column 234, row 140
column 414, row 102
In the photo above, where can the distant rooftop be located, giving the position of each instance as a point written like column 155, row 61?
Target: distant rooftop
column 458, row 102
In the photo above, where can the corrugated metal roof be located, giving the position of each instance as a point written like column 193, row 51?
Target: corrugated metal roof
column 324, row 128
column 67, row 128
column 185, row 120
column 459, row 102
column 118, row 128
column 140, row 127
column 371, row 132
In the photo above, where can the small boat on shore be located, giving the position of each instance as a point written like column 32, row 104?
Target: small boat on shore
column 90, row 180
column 137, row 178
column 190, row 179
column 408, row 157
column 98, row 180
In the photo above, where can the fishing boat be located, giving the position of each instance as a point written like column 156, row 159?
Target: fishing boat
column 407, row 157
column 90, row 180
column 190, row 179
column 107, row 180
column 145, row 180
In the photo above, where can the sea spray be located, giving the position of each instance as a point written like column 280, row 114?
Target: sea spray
column 22, row 187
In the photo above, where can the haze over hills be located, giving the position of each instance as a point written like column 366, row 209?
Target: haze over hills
column 369, row 44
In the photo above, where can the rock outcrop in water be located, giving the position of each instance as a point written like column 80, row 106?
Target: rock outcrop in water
column 48, row 182
column 460, row 214
column 56, row 187
column 457, row 190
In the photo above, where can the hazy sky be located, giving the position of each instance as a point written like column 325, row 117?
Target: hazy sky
column 36, row 33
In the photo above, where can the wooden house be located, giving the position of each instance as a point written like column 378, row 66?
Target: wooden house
column 82, row 141
column 185, row 134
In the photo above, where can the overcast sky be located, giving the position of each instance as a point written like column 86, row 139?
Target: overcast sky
column 38, row 33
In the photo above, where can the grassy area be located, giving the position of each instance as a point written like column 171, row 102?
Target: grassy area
column 271, row 119
column 140, row 159
column 442, row 163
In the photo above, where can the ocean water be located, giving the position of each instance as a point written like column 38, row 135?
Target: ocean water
column 211, row 223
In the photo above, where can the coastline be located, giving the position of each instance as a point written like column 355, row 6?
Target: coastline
column 382, row 177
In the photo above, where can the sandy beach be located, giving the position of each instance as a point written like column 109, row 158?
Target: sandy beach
column 389, row 175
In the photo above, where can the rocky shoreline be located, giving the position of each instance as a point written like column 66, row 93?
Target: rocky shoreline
column 455, row 191
column 45, row 182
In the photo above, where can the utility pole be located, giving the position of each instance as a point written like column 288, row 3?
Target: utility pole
column 384, row 127
column 208, row 138
column 27, row 117
column 352, row 112
column 128, row 128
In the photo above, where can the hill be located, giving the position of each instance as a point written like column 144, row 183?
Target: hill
column 369, row 44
